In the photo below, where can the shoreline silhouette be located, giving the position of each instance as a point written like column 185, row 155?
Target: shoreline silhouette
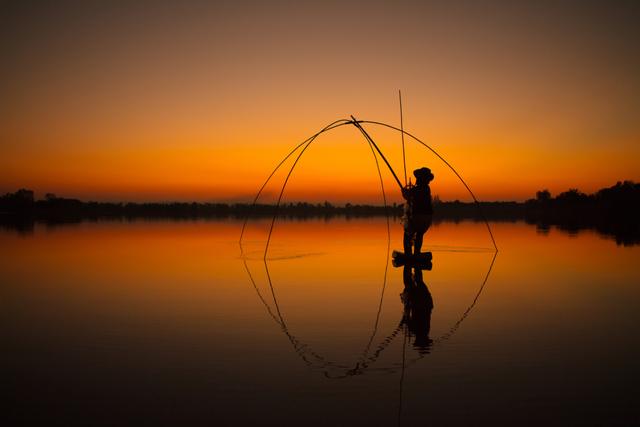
column 611, row 211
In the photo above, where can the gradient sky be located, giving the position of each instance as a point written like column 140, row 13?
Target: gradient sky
column 199, row 100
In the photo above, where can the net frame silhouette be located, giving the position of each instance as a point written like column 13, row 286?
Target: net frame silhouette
column 367, row 358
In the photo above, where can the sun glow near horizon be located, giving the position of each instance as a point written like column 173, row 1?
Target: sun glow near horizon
column 204, row 100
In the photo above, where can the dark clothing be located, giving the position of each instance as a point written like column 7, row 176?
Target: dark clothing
column 418, row 200
column 417, row 216
column 414, row 229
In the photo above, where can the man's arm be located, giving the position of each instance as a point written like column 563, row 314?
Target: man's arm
column 406, row 193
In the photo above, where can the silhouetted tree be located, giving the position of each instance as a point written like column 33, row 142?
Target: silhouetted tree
column 543, row 196
column 20, row 201
column 572, row 196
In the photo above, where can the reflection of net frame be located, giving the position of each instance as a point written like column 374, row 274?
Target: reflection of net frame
column 364, row 362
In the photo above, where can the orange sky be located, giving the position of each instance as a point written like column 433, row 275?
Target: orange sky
column 198, row 101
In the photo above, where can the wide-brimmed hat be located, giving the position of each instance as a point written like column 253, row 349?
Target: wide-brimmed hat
column 423, row 173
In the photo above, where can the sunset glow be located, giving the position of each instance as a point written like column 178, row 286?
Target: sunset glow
column 201, row 101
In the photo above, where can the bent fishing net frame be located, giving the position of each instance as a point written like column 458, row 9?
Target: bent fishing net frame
column 304, row 145
column 368, row 358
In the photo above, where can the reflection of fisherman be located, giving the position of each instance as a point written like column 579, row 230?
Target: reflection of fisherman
column 417, row 308
column 418, row 210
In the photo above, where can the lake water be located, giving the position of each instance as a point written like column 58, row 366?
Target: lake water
column 163, row 322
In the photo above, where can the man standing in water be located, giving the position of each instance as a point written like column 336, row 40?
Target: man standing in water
column 418, row 211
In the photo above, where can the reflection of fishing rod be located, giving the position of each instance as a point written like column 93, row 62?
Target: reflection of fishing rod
column 404, row 346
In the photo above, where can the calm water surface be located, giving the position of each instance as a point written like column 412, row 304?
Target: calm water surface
column 169, row 323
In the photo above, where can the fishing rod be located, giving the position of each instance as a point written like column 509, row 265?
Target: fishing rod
column 404, row 157
column 356, row 123
column 493, row 240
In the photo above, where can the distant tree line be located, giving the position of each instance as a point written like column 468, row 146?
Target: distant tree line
column 614, row 210
column 620, row 201
column 22, row 203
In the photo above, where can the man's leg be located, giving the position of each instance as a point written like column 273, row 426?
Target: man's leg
column 424, row 225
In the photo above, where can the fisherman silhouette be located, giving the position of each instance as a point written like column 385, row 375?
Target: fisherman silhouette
column 418, row 210
column 418, row 305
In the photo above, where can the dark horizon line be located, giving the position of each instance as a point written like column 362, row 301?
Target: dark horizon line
column 613, row 211
column 542, row 193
